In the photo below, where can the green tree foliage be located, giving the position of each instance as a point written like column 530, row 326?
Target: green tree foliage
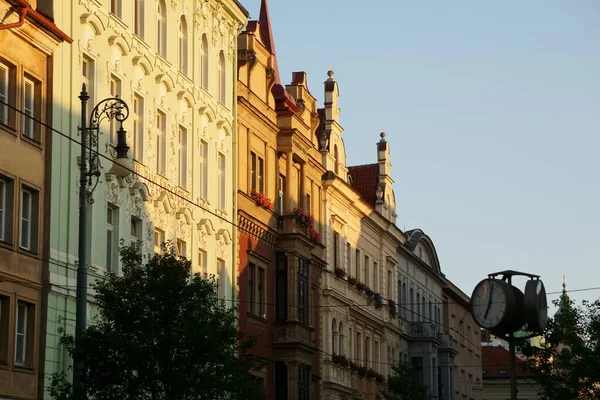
column 404, row 385
column 567, row 365
column 161, row 334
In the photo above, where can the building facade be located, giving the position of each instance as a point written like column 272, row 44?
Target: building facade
column 362, row 332
column 280, row 216
column 174, row 64
column 496, row 376
column 27, row 43
column 465, row 336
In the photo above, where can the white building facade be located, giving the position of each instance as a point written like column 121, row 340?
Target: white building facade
column 174, row 63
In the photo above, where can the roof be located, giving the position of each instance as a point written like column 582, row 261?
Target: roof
column 495, row 363
column 266, row 35
column 364, row 180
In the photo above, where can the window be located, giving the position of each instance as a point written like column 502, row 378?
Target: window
column 375, row 276
column 336, row 157
column 390, row 290
column 115, row 91
column 159, row 239
column 112, row 238
column 412, row 304
column 222, row 95
column 6, row 208
column 115, row 8
column 138, row 128
column 281, row 381
column 183, row 45
column 403, row 300
column 161, row 142
column 357, row 260
column 136, row 230
column 203, row 162
column 161, row 28
column 181, row 248
column 221, row 178
column 336, row 250
column 257, row 166
column 281, row 194
column 367, row 352
column 25, row 329
column 256, row 290
column 202, row 266
column 376, row 357
column 302, row 277
column 367, row 272
column 334, row 336
column 281, row 287
column 350, row 344
column 4, row 93
column 182, row 155
column 308, row 204
column 358, row 348
column 31, row 108
column 222, row 275
column 29, row 219
column 138, row 18
column 303, row 382
column 204, row 62
column 348, row 256
column 87, row 77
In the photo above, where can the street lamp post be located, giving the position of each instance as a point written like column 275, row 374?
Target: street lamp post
column 89, row 175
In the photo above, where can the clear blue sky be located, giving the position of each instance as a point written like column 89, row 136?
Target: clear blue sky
column 492, row 111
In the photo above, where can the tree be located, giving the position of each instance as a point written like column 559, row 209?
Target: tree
column 161, row 334
column 404, row 385
column 566, row 365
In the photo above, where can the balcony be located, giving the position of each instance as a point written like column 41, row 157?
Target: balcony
column 423, row 330
column 336, row 374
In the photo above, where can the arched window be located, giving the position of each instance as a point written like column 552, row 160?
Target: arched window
column 204, row 62
column 337, row 161
column 183, row 45
column 161, row 28
column 333, row 337
column 222, row 95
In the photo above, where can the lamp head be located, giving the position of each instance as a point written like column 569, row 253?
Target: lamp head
column 123, row 165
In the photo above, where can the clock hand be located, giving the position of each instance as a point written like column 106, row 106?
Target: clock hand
column 487, row 310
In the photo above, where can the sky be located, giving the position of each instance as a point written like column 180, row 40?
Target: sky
column 492, row 114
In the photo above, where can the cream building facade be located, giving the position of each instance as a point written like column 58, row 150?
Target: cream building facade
column 174, row 63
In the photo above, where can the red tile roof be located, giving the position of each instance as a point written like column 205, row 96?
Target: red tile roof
column 364, row 180
column 496, row 363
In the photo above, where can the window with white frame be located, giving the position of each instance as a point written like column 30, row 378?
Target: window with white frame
column 6, row 75
column 136, row 230
column 112, row 238
column 88, row 77
column 203, row 173
column 181, row 248
column 281, row 194
column 138, row 18
column 202, row 261
column 183, row 45
column 204, row 62
column 115, row 91
column 222, row 94
column 222, row 275
column 161, row 142
column 24, row 331
column 29, row 109
column 6, row 208
column 29, row 219
column 257, row 167
column 367, row 271
column 115, row 8
column 256, row 290
column 159, row 239
column 138, row 128
column 222, row 179
column 161, row 28
column 182, row 156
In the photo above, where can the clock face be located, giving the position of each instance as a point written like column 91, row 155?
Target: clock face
column 536, row 305
column 491, row 303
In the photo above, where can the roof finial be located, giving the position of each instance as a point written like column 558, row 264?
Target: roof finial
column 382, row 135
column 564, row 284
column 330, row 74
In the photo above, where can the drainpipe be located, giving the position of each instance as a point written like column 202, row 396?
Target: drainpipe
column 23, row 6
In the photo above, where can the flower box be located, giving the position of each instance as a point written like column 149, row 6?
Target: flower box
column 261, row 200
column 340, row 273
column 303, row 219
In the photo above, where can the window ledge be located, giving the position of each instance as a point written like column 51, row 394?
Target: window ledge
column 257, row 317
column 30, row 253
column 32, row 142
column 24, row 369
column 8, row 246
column 8, row 129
